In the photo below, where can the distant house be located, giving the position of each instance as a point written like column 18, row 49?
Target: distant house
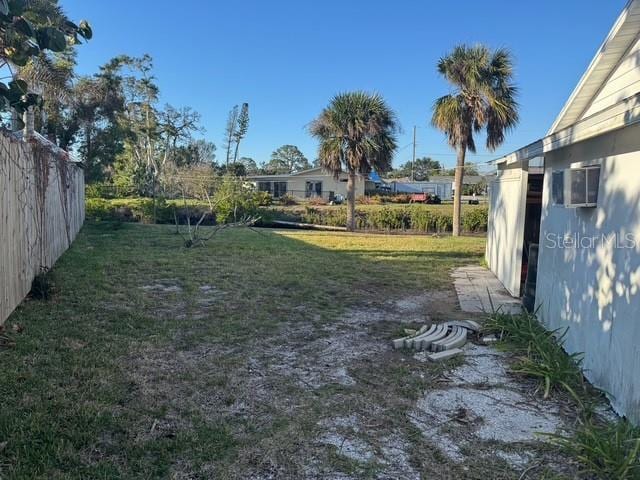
column 443, row 189
column 467, row 180
column 312, row 183
column 575, row 196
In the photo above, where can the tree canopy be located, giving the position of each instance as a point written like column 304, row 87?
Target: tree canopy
column 287, row 159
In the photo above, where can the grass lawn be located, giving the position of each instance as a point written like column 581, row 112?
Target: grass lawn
column 241, row 359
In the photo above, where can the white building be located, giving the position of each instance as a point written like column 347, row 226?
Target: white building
column 443, row 189
column 576, row 193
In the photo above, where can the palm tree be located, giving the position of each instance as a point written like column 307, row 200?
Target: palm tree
column 357, row 135
column 483, row 98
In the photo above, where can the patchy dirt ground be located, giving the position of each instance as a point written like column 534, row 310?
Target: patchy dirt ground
column 335, row 401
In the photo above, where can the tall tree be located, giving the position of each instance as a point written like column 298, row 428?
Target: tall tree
column 484, row 97
column 230, row 131
column 422, row 168
column 204, row 152
column 287, row 159
column 177, row 127
column 241, row 128
column 250, row 165
column 357, row 134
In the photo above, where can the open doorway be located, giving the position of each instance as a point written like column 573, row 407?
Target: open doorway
column 531, row 238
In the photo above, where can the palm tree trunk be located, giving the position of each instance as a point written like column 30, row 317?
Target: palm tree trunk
column 457, row 198
column 351, row 201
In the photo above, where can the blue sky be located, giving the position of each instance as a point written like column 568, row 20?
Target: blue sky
column 287, row 58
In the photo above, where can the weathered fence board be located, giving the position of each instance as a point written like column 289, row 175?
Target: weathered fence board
column 41, row 212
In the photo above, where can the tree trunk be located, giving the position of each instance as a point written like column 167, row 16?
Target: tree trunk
column 457, row 198
column 235, row 155
column 351, row 201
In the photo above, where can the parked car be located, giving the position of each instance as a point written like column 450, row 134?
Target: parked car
column 425, row 198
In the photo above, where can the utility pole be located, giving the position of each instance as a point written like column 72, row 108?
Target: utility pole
column 413, row 161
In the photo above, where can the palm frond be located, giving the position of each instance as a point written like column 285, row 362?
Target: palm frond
column 53, row 79
column 484, row 96
column 356, row 133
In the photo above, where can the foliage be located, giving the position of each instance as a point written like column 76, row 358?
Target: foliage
column 483, row 99
column 235, row 169
column 413, row 218
column 318, row 201
column 606, row 451
column 233, row 200
column 479, row 188
column 541, row 352
column 475, row 220
column 357, row 133
column 422, row 169
column 120, row 132
column 230, row 131
column 28, row 31
column 42, row 286
column 286, row 159
column 287, row 199
column 263, row 199
column 250, row 165
column 241, row 128
column 235, row 131
column 381, row 199
column 468, row 170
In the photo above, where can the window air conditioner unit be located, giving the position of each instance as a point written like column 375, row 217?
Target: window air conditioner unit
column 581, row 186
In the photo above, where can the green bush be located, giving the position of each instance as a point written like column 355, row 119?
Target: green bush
column 141, row 210
column 604, row 450
column 264, row 199
column 416, row 218
column 475, row 220
column 233, row 200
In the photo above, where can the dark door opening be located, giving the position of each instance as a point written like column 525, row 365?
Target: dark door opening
column 532, row 219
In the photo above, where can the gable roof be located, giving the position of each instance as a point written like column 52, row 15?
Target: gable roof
column 621, row 38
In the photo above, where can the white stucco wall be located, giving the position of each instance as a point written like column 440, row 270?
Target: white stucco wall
column 505, row 232
column 593, row 287
column 297, row 184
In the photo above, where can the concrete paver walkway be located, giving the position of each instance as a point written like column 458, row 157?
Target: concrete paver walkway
column 478, row 289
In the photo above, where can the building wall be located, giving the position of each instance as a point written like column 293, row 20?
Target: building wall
column 623, row 82
column 592, row 285
column 296, row 184
column 505, row 232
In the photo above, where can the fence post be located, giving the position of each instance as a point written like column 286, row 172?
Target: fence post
column 29, row 123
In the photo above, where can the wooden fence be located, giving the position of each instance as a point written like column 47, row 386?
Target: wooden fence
column 41, row 212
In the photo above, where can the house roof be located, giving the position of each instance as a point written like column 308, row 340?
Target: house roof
column 302, row 173
column 621, row 38
column 288, row 175
column 467, row 180
column 572, row 125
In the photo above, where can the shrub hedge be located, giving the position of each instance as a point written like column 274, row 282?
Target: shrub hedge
column 416, row 218
column 141, row 210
